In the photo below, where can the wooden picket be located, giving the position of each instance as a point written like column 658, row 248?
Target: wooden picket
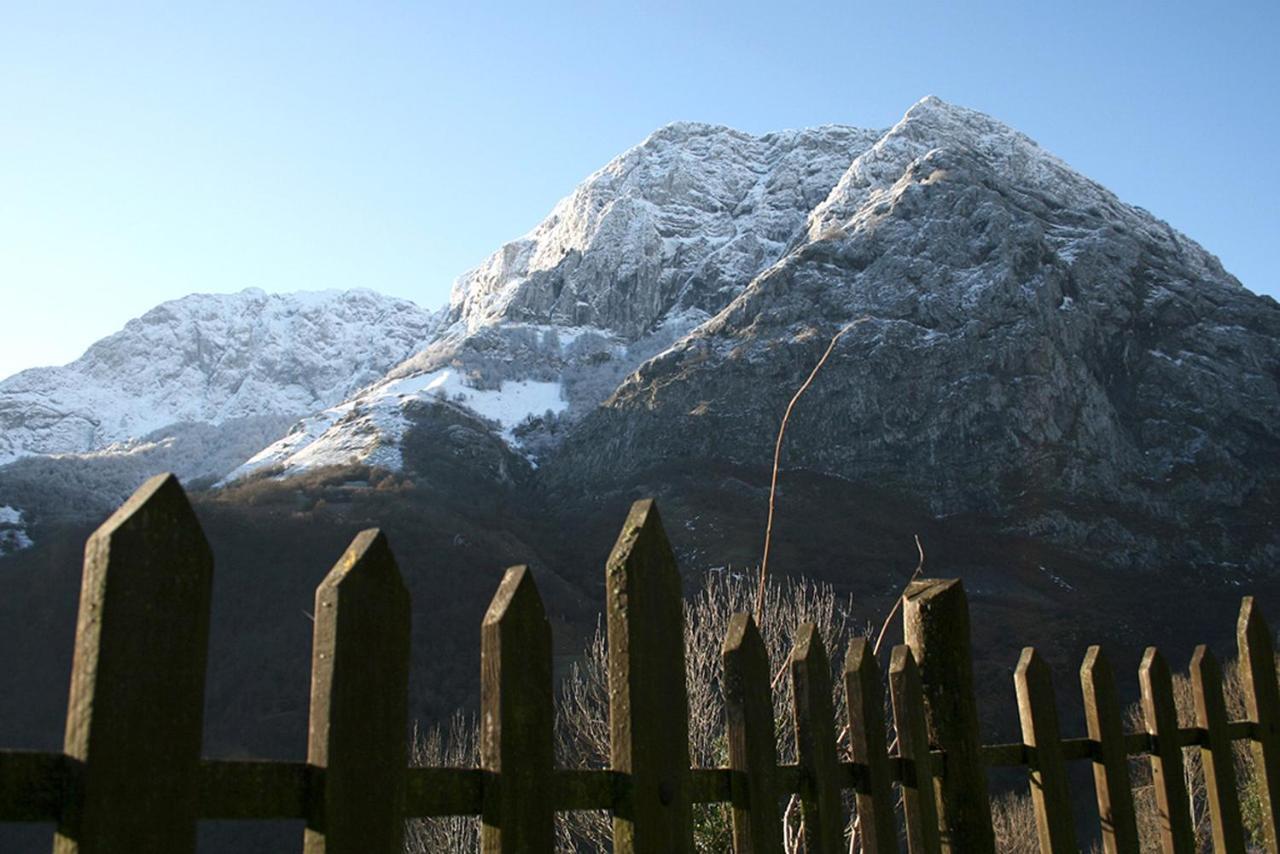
column 1161, row 717
column 864, row 698
column 819, row 763
column 130, row 777
column 920, row 807
column 359, row 703
column 1117, row 818
column 753, row 752
column 1215, row 752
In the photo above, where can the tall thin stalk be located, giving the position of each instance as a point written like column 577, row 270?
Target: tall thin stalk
column 777, row 458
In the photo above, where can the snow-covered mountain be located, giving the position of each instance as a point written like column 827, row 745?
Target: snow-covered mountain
column 195, row 386
column 644, row 250
column 209, row 359
column 1021, row 343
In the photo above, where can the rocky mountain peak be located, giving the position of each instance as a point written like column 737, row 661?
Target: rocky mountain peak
column 210, row 358
column 680, row 222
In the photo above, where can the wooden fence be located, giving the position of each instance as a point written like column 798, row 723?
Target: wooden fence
column 131, row 777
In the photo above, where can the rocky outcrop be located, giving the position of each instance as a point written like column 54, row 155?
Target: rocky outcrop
column 1021, row 344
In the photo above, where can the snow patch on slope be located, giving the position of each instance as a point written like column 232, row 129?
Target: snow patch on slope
column 368, row 427
column 13, row 531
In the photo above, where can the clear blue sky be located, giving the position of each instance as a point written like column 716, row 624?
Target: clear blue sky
column 152, row 150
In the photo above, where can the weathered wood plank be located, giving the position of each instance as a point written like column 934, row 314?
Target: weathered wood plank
column 1215, row 755
column 359, row 703
column 433, row 792
column 820, row 802
column 137, row 685
column 1262, row 703
column 517, row 717
column 1038, row 714
column 919, row 803
column 753, row 753
column 648, row 703
column 257, row 789
column 1116, row 813
column 864, row 697
column 936, row 627
column 1172, row 803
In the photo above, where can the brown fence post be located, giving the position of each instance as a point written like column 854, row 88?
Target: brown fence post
column 517, row 714
column 1038, row 713
column 820, row 801
column 753, row 751
column 1172, row 802
column 1111, row 761
column 1216, row 755
column 648, row 703
column 936, row 627
column 919, row 805
column 359, row 702
column 137, row 684
column 864, row 697
column 1262, row 702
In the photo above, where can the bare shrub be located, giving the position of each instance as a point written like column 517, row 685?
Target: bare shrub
column 1013, row 817
column 456, row 745
column 582, row 714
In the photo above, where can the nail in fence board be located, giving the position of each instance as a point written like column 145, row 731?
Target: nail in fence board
column 648, row 704
column 1262, row 703
column 517, row 716
column 753, row 753
column 1159, row 712
column 935, row 620
column 1038, row 715
column 864, row 697
column 1111, row 762
column 137, row 686
column 820, row 802
column 359, row 703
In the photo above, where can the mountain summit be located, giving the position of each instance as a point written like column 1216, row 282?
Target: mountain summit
column 1021, row 345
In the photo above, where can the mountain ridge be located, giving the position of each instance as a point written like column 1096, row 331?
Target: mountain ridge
column 704, row 267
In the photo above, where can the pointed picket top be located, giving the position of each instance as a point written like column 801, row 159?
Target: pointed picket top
column 742, row 637
column 642, row 543
column 367, row 561
column 1262, row 704
column 517, row 598
column 135, row 708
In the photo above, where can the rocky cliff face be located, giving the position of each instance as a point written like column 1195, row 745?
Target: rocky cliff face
column 1020, row 344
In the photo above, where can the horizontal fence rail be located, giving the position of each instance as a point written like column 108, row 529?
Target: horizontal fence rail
column 130, row 777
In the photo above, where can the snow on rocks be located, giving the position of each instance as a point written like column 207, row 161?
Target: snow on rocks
column 367, row 428
column 13, row 531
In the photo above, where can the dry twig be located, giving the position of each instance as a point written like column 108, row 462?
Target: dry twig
column 777, row 457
